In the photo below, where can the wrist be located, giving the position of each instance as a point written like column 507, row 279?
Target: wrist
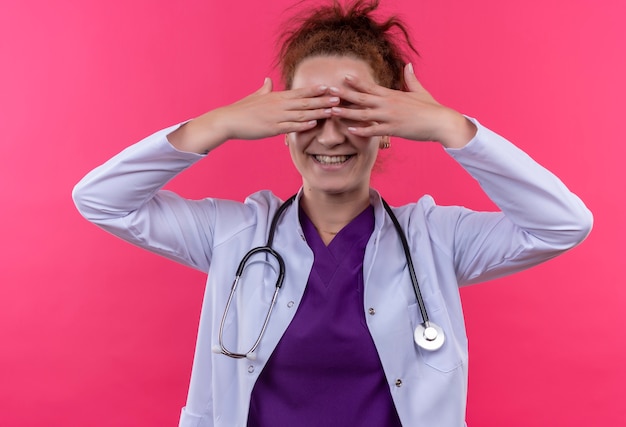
column 199, row 135
column 458, row 131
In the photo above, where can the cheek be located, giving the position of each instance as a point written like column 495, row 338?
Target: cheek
column 374, row 148
column 295, row 146
column 300, row 140
column 292, row 140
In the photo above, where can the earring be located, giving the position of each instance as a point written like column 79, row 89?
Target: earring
column 385, row 143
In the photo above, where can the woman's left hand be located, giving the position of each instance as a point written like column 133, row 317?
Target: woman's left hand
column 413, row 115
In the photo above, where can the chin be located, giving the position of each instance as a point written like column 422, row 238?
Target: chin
column 335, row 190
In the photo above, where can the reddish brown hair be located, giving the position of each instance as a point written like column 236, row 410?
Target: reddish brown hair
column 333, row 30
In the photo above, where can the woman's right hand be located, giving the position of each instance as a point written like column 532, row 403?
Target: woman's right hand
column 262, row 114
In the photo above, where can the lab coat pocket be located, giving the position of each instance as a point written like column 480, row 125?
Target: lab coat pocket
column 447, row 358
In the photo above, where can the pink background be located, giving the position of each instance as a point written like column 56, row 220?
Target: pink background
column 95, row 332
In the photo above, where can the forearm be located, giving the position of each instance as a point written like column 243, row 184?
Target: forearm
column 531, row 196
column 128, row 180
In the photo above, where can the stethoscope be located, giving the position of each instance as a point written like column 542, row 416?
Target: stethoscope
column 427, row 334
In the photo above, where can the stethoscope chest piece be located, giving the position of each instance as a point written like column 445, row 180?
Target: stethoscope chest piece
column 429, row 336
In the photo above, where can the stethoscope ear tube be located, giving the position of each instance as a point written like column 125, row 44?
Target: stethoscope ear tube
column 263, row 249
column 250, row 354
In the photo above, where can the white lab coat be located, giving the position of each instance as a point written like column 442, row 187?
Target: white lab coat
column 451, row 247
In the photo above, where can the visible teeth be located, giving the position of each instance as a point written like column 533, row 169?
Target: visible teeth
column 331, row 159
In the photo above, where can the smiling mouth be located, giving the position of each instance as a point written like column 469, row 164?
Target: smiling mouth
column 331, row 160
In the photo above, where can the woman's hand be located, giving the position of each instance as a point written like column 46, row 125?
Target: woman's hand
column 413, row 115
column 262, row 114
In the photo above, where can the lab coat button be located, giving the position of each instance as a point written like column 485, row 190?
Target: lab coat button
column 250, row 369
column 398, row 382
column 371, row 311
column 290, row 304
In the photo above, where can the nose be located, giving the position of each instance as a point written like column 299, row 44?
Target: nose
column 331, row 133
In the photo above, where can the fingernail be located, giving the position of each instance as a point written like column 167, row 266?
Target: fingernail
column 333, row 89
column 328, row 111
column 336, row 110
column 334, row 99
column 411, row 68
column 349, row 77
column 351, row 129
column 323, row 87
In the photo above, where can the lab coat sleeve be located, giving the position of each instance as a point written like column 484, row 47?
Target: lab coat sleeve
column 124, row 196
column 539, row 219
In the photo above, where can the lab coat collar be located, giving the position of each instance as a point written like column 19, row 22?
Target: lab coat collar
column 375, row 199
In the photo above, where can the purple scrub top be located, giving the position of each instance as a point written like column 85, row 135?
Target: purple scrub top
column 325, row 370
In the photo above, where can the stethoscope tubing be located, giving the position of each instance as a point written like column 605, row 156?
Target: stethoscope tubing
column 250, row 354
column 279, row 283
column 409, row 262
column 427, row 335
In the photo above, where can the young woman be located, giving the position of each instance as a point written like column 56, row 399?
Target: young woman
column 348, row 341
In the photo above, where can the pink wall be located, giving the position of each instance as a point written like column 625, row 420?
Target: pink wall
column 95, row 332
